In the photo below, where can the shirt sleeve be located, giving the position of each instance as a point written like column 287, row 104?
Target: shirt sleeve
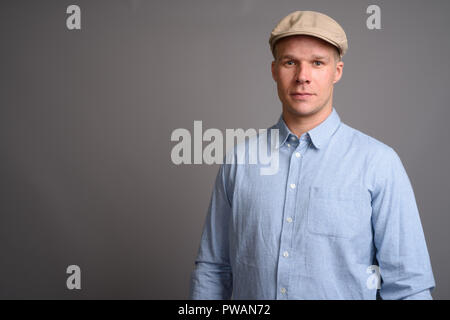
column 401, row 250
column 212, row 275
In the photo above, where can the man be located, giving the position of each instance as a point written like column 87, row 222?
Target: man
column 339, row 212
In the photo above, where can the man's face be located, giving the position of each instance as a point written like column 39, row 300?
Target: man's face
column 308, row 65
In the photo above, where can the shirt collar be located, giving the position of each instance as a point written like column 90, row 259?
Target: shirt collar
column 319, row 135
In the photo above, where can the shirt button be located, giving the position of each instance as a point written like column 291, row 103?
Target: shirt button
column 297, row 154
column 289, row 219
column 293, row 185
column 283, row 290
column 285, row 254
column 292, row 138
column 288, row 144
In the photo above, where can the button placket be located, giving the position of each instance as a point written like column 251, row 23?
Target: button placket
column 284, row 260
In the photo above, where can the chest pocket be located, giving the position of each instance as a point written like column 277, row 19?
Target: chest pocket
column 334, row 211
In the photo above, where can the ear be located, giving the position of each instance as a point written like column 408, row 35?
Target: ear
column 274, row 75
column 338, row 72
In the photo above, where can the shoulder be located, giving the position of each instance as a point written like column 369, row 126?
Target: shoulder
column 382, row 163
column 371, row 147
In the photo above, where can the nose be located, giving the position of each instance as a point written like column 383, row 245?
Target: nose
column 303, row 74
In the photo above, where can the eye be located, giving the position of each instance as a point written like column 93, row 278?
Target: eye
column 318, row 62
column 289, row 63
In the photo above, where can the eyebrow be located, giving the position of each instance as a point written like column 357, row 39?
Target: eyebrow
column 320, row 57
column 315, row 57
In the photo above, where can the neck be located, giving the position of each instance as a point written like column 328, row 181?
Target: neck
column 299, row 124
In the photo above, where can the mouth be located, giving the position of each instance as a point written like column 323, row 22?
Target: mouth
column 301, row 95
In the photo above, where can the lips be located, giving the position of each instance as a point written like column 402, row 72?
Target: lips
column 301, row 95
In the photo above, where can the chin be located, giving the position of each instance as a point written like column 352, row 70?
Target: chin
column 302, row 109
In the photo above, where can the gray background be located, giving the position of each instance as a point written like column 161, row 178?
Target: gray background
column 86, row 116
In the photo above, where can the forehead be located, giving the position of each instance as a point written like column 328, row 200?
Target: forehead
column 305, row 45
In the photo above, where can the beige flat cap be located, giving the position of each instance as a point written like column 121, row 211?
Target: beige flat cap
column 313, row 24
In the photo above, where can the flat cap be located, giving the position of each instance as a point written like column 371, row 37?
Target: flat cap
column 310, row 23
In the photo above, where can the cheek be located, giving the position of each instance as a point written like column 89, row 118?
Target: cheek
column 325, row 82
column 284, row 78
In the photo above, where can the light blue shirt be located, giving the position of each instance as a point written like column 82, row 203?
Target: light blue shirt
column 340, row 208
